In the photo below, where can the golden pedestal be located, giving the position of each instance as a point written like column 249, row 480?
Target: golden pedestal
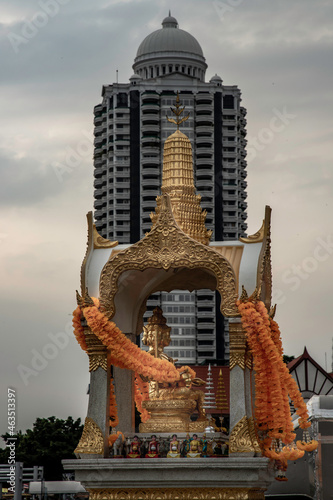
column 172, row 415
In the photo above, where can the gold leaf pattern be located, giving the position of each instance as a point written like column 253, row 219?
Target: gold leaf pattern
column 92, row 438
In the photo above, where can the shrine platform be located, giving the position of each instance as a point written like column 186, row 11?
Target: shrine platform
column 176, row 478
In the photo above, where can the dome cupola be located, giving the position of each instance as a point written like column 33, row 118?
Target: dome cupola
column 170, row 50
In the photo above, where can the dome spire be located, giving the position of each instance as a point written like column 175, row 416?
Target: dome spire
column 170, row 21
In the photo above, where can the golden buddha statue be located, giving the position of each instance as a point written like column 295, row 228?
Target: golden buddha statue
column 170, row 404
column 194, row 448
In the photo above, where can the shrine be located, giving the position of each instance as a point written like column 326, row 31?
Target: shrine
column 178, row 451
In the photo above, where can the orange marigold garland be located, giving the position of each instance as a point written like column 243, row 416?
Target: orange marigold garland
column 141, row 394
column 125, row 354
column 273, row 384
column 78, row 329
column 129, row 354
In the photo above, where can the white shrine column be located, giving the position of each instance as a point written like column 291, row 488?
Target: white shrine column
column 124, row 391
column 94, row 439
column 243, row 441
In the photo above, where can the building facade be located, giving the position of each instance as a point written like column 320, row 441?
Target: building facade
column 130, row 131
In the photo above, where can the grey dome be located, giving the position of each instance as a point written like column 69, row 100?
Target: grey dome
column 169, row 39
column 136, row 77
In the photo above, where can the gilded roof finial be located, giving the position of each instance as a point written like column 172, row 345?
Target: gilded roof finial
column 178, row 111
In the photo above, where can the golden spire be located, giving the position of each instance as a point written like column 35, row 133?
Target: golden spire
column 178, row 183
column 221, row 397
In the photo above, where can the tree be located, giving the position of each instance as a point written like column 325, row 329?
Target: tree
column 287, row 359
column 50, row 441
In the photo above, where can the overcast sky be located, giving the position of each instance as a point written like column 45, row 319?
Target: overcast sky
column 55, row 56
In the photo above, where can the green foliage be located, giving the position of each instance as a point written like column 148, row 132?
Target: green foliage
column 287, row 359
column 50, row 441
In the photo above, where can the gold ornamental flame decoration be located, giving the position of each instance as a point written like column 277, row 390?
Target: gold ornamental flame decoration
column 177, row 112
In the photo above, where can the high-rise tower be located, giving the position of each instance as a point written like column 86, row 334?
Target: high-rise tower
column 130, row 131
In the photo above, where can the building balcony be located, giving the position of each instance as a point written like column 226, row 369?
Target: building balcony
column 148, row 128
column 150, row 96
column 100, row 193
column 122, row 227
column 151, row 149
column 148, row 206
column 99, row 204
column 229, row 154
column 150, row 182
column 206, row 302
column 203, row 183
column 229, row 144
column 98, row 119
column 98, row 172
column 98, row 109
column 204, row 151
column 99, row 182
column 204, row 142
column 204, row 162
column 229, row 218
column 122, row 196
column 228, row 175
column 150, row 106
column 204, row 107
column 122, row 120
column 150, row 192
column 205, row 120
column 229, row 123
column 150, row 164
column 150, row 140
column 229, row 197
column 147, row 170
column 200, row 129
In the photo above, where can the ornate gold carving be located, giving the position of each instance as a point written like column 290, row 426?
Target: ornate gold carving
column 91, row 440
column 239, row 353
column 168, row 415
column 272, row 312
column 177, row 112
column 85, row 300
column 176, row 494
column 264, row 274
column 97, row 351
column 257, row 237
column 100, row 242
column 97, row 361
column 244, row 296
column 90, row 246
column 166, row 246
column 178, row 183
column 253, row 435
column 240, row 438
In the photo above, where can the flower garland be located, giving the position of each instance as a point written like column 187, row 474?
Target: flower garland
column 125, row 354
column 114, row 421
column 273, row 384
column 78, row 329
column 141, row 389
